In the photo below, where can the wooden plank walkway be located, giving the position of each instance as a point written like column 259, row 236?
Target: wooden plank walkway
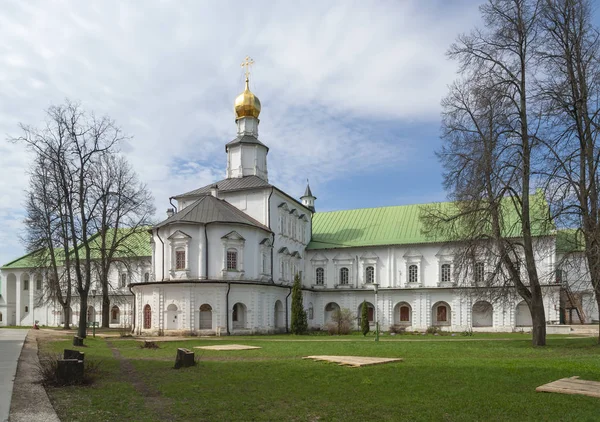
column 228, row 347
column 353, row 361
column 572, row 385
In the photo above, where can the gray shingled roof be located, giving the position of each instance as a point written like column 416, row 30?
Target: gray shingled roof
column 238, row 183
column 245, row 139
column 209, row 209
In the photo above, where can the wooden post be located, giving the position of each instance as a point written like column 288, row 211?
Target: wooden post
column 184, row 358
column 77, row 341
column 73, row 354
column 70, row 371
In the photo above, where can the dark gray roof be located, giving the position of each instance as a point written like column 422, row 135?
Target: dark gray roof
column 245, row 139
column 238, row 183
column 307, row 192
column 209, row 209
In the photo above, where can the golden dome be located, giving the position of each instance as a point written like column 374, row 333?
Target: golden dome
column 247, row 104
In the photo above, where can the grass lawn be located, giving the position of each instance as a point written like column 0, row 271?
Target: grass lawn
column 485, row 377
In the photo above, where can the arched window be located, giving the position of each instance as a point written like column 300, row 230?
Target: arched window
column 180, row 259
column 0, row 316
column 370, row 311
column 344, row 275
column 115, row 314
column 441, row 314
column 264, row 263
column 310, row 313
column 205, row 317
column 402, row 314
column 146, row 277
column 479, row 272
column 124, row 280
column 147, row 317
column 320, row 276
column 232, row 259
column 370, row 274
column 26, row 308
column 413, row 274
column 38, row 283
column 446, row 273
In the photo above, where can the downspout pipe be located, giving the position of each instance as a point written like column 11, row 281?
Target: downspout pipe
column 272, row 233
column 174, row 206
column 287, row 312
column 227, row 306
column 133, row 324
column 162, row 271
column 206, row 250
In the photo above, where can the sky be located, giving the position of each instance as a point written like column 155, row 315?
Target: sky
column 350, row 91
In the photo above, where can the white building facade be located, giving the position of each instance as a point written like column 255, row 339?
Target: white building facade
column 224, row 262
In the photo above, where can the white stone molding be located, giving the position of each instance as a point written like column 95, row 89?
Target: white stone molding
column 340, row 261
column 233, row 240
column 414, row 257
column 179, row 241
column 319, row 261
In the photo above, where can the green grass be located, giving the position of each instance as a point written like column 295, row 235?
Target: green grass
column 485, row 377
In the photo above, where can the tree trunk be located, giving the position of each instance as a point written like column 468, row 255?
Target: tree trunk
column 598, row 302
column 81, row 330
column 105, row 308
column 538, row 319
column 67, row 314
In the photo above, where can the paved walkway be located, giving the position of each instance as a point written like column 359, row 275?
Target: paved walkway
column 30, row 403
column 11, row 342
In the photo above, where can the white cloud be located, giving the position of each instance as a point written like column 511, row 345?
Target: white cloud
column 327, row 74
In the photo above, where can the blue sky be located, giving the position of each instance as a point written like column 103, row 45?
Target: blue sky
column 350, row 91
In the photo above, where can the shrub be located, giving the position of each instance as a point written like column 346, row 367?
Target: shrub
column 397, row 329
column 467, row 333
column 341, row 321
column 47, row 369
column 364, row 318
column 435, row 330
column 299, row 323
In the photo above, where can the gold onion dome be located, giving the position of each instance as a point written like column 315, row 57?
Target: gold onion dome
column 247, row 104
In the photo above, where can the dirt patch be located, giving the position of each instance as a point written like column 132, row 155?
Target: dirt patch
column 153, row 400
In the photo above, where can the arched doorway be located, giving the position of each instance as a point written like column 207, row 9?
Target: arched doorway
column 172, row 322
column 147, row 317
column 523, row 316
column 238, row 315
column 205, row 317
column 115, row 315
column 402, row 314
column 482, row 315
column 279, row 315
column 330, row 308
column 441, row 314
column 91, row 314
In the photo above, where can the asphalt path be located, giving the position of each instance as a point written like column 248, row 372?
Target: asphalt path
column 11, row 343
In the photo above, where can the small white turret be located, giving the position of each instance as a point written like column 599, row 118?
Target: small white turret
column 308, row 200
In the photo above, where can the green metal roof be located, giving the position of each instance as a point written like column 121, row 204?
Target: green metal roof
column 402, row 225
column 135, row 244
column 569, row 240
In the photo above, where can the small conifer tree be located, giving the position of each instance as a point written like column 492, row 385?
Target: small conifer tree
column 299, row 322
column 364, row 318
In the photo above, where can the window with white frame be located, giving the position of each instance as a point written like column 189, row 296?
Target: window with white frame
column 233, row 255
column 26, row 284
column 413, row 273
column 232, row 259
column 320, row 276
column 344, row 275
column 479, row 272
column 266, row 248
column 370, row 274
column 446, row 273
column 179, row 255
column 180, row 259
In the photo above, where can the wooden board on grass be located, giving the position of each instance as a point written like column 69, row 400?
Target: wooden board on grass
column 572, row 385
column 228, row 347
column 353, row 361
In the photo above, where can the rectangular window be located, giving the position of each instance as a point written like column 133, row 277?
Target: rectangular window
column 479, row 272
column 413, row 274
column 180, row 260
column 38, row 284
column 123, row 280
column 344, row 275
column 320, row 276
column 446, row 273
column 231, row 260
column 25, row 284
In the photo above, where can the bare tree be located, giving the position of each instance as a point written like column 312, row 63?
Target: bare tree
column 570, row 88
column 70, row 144
column 490, row 134
column 124, row 212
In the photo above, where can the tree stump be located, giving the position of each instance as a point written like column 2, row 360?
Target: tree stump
column 69, row 371
column 73, row 354
column 77, row 341
column 184, row 358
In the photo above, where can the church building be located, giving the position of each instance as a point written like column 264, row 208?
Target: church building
column 224, row 261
